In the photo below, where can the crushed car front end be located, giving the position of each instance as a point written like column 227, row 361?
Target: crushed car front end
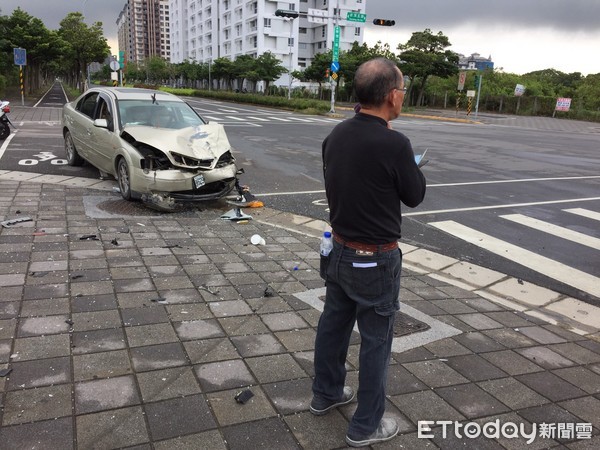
column 170, row 166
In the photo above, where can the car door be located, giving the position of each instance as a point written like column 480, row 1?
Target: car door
column 103, row 141
column 82, row 121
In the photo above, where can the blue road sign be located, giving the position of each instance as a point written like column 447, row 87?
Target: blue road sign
column 335, row 66
column 20, row 56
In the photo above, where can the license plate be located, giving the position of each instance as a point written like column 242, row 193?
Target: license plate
column 199, row 181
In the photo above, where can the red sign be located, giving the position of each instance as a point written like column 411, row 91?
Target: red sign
column 563, row 104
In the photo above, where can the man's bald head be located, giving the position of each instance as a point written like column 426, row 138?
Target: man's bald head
column 374, row 80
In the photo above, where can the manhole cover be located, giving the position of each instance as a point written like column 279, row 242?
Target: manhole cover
column 405, row 324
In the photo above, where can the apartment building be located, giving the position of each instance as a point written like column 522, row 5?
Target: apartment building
column 143, row 29
column 203, row 30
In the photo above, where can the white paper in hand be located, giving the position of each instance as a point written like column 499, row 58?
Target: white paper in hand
column 420, row 159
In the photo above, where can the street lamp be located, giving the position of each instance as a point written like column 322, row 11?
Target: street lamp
column 287, row 13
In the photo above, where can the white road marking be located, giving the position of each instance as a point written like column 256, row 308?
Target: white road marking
column 545, row 266
column 236, row 118
column 6, row 142
column 507, row 205
column 585, row 213
column 214, row 119
column 554, row 230
column 523, row 180
column 278, row 118
column 258, row 118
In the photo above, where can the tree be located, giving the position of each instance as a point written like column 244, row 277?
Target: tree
column 358, row 54
column 269, row 68
column 222, row 68
column 84, row 45
column 424, row 55
column 243, row 66
column 22, row 30
column 157, row 69
column 317, row 69
column 589, row 92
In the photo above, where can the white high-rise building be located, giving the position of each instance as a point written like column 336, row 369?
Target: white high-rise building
column 143, row 29
column 203, row 30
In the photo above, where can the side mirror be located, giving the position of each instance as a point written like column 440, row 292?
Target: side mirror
column 101, row 123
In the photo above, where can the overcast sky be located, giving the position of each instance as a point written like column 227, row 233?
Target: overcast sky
column 520, row 35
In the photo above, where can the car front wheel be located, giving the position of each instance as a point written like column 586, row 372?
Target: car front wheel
column 73, row 158
column 124, row 179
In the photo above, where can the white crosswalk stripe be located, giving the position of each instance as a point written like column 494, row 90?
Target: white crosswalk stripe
column 555, row 230
column 541, row 264
column 584, row 213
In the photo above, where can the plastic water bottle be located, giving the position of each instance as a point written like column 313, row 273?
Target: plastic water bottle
column 326, row 243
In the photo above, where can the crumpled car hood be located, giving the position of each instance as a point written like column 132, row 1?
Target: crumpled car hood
column 202, row 142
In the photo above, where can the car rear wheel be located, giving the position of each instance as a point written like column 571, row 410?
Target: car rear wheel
column 123, row 179
column 73, row 158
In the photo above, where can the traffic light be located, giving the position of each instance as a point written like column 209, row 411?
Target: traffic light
column 477, row 81
column 286, row 13
column 326, row 73
column 384, row 22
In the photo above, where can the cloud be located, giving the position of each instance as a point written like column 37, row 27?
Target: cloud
column 52, row 12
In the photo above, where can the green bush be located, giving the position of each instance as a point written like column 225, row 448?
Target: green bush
column 300, row 104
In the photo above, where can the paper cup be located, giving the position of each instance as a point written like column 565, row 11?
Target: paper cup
column 257, row 239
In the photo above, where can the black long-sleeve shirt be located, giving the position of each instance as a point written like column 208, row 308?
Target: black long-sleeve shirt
column 369, row 171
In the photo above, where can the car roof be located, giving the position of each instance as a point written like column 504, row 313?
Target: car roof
column 126, row 93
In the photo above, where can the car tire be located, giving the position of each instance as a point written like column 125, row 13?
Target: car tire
column 73, row 158
column 124, row 179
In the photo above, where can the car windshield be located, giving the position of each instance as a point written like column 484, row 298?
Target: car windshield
column 161, row 114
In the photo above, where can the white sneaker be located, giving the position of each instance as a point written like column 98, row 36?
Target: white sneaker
column 387, row 429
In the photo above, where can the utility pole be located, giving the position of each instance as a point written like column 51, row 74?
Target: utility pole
column 335, row 53
column 478, row 94
column 291, row 45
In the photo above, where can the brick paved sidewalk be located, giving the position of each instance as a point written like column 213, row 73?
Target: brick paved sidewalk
column 142, row 335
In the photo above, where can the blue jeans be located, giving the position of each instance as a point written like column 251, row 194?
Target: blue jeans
column 361, row 289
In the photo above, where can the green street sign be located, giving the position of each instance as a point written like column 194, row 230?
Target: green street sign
column 336, row 44
column 354, row 16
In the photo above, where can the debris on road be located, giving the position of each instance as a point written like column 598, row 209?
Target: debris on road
column 207, row 289
column 9, row 223
column 235, row 215
column 243, row 396
column 268, row 292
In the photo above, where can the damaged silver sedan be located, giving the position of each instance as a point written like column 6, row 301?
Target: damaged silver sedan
column 156, row 145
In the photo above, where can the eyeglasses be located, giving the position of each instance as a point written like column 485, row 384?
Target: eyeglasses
column 403, row 90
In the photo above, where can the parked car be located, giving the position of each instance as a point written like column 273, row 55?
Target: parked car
column 156, row 145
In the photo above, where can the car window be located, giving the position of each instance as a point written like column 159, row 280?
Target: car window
column 163, row 114
column 104, row 112
column 87, row 104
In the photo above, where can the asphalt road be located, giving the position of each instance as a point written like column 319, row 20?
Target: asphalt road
column 521, row 201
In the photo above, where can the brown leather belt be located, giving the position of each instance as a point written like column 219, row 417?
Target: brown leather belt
column 372, row 248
